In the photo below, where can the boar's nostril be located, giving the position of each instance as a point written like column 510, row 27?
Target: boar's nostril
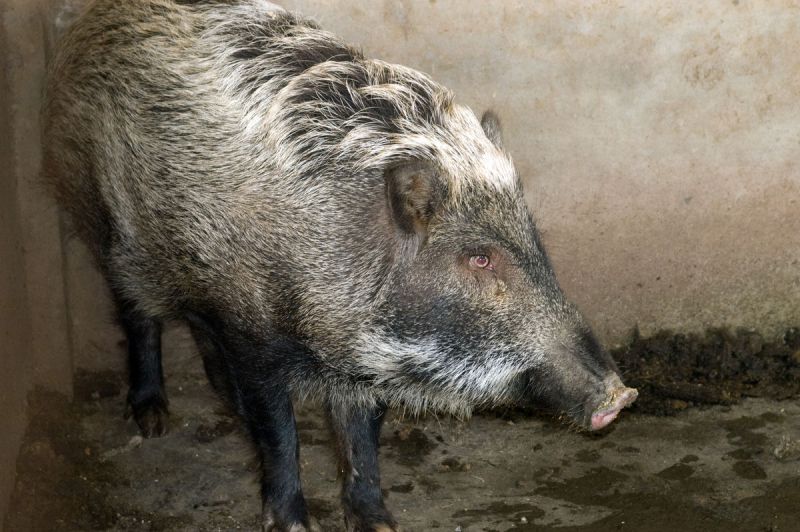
column 624, row 397
column 629, row 396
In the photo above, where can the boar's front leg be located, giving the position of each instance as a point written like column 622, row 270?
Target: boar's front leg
column 267, row 409
column 357, row 430
column 251, row 377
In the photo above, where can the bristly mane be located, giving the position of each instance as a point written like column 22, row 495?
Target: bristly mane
column 318, row 102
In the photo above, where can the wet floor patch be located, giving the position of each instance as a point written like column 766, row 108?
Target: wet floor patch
column 409, row 445
column 519, row 514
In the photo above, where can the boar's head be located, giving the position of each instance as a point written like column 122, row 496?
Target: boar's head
column 471, row 313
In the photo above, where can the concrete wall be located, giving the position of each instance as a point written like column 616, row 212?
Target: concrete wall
column 658, row 141
column 15, row 368
column 34, row 332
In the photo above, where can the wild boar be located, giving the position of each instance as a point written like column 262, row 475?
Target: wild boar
column 331, row 227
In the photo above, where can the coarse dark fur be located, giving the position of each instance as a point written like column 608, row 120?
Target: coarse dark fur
column 319, row 219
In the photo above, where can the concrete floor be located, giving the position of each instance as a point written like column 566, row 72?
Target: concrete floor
column 721, row 468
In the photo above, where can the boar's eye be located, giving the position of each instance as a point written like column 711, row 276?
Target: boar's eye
column 480, row 262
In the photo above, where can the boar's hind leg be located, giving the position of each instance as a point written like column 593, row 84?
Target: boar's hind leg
column 357, row 430
column 214, row 363
column 147, row 400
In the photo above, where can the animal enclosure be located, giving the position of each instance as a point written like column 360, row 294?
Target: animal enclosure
column 657, row 146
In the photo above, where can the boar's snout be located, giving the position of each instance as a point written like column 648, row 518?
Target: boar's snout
column 618, row 396
column 581, row 381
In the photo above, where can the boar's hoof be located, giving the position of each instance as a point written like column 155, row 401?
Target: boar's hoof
column 361, row 526
column 382, row 527
column 270, row 524
column 151, row 415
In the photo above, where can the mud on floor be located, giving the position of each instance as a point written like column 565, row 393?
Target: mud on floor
column 675, row 371
column 723, row 467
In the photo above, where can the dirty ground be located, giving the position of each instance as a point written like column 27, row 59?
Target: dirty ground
column 713, row 445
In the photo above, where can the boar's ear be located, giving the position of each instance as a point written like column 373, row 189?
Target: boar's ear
column 413, row 193
column 491, row 126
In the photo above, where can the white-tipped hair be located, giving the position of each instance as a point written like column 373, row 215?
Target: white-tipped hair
column 318, row 102
column 460, row 385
